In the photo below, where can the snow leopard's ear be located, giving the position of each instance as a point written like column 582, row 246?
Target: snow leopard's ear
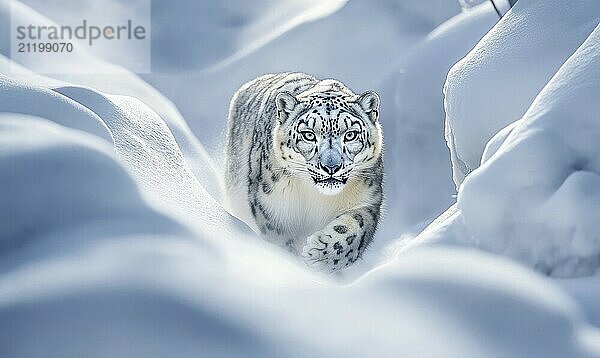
column 369, row 102
column 286, row 102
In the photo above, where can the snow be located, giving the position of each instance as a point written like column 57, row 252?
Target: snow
column 540, row 189
column 114, row 242
column 413, row 120
column 337, row 46
column 506, row 70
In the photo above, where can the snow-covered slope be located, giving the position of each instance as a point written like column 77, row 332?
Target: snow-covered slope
column 534, row 197
column 140, row 137
column 121, row 82
column 419, row 173
column 495, row 83
column 537, row 198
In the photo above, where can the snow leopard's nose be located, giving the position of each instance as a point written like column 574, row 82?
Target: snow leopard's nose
column 330, row 161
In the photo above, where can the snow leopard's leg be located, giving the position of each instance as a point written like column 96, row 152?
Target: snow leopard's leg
column 342, row 241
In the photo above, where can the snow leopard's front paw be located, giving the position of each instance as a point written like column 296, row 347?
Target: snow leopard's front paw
column 332, row 249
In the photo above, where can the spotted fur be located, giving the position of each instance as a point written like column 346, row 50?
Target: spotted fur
column 304, row 166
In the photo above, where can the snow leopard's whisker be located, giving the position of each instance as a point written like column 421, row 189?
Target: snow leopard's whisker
column 299, row 169
column 296, row 162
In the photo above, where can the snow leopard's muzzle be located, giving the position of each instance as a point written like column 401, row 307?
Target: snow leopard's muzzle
column 331, row 175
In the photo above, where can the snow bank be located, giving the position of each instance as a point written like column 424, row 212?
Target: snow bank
column 534, row 198
column 134, row 293
column 121, row 82
column 419, row 180
column 496, row 82
column 537, row 198
column 140, row 137
column 55, row 179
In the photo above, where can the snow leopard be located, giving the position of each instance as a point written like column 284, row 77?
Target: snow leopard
column 304, row 166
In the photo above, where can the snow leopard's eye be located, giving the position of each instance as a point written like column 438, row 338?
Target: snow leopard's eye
column 308, row 136
column 350, row 136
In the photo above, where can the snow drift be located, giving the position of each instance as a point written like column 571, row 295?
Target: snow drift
column 537, row 197
column 496, row 82
column 419, row 172
column 534, row 197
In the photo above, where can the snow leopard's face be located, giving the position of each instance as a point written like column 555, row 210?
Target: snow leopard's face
column 328, row 139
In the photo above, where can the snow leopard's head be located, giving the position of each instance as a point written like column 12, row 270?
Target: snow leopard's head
column 328, row 138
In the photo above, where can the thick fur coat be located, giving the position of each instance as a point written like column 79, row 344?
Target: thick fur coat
column 304, row 166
